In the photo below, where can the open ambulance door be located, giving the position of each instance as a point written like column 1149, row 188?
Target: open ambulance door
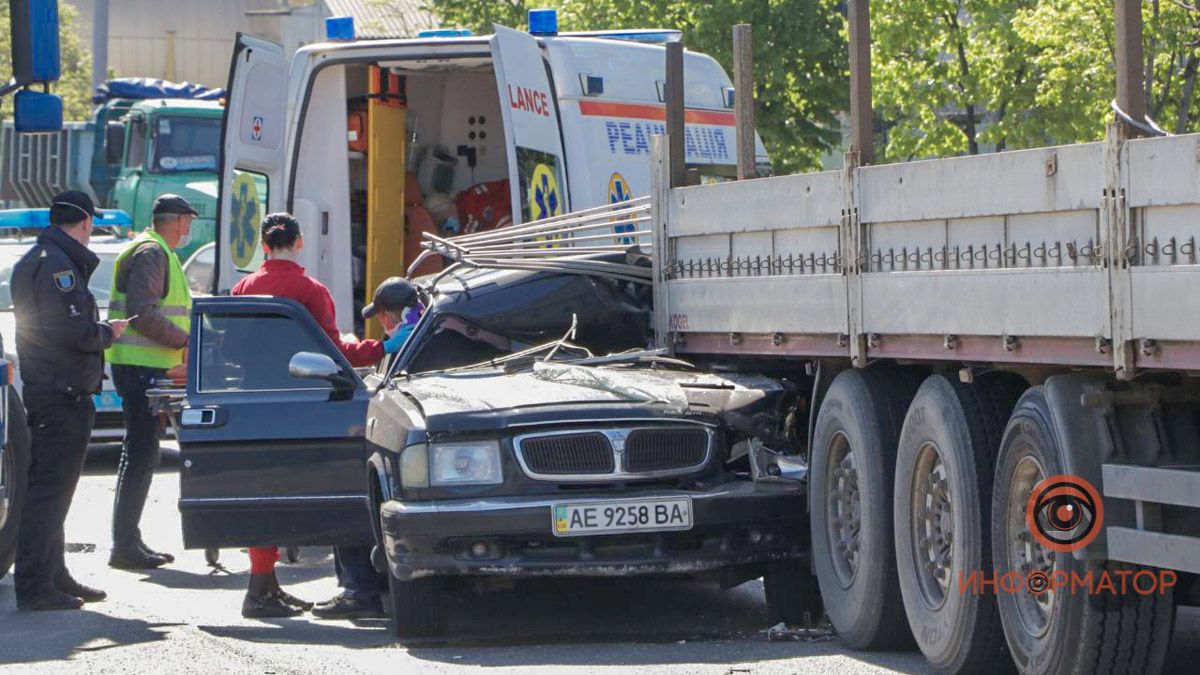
column 253, row 141
column 533, row 136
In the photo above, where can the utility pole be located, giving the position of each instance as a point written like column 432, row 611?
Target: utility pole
column 1131, row 89
column 99, row 43
column 743, row 106
column 862, row 123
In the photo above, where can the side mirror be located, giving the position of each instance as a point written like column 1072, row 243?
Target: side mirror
column 314, row 366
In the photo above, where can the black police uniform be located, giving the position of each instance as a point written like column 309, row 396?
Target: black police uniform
column 60, row 348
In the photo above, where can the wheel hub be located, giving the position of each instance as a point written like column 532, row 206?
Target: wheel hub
column 844, row 511
column 1026, row 555
column 932, row 527
column 4, row 473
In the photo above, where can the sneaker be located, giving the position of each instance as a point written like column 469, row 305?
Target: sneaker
column 136, row 559
column 46, row 598
column 349, row 605
column 85, row 593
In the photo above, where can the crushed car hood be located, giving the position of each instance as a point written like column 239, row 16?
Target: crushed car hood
column 491, row 399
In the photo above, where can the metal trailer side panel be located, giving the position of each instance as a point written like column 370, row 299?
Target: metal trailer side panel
column 1061, row 302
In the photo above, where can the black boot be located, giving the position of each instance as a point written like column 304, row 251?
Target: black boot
column 136, row 559
column 67, row 584
column 288, row 598
column 350, row 605
column 261, row 603
column 149, row 551
column 46, row 597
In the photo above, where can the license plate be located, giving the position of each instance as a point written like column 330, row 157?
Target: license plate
column 574, row 519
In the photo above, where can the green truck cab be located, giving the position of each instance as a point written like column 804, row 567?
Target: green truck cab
column 169, row 145
column 145, row 138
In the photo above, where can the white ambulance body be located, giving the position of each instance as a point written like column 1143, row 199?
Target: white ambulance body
column 566, row 119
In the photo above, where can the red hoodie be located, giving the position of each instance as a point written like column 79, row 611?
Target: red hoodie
column 286, row 279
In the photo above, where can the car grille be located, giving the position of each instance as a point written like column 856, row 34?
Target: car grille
column 662, row 449
column 563, row 454
column 605, row 454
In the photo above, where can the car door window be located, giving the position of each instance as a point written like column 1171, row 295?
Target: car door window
column 251, row 351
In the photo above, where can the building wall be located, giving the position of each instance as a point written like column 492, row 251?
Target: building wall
column 139, row 35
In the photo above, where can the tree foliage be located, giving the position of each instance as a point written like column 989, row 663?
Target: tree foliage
column 76, row 83
column 965, row 76
column 799, row 54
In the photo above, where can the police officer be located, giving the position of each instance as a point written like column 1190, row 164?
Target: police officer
column 150, row 289
column 60, row 346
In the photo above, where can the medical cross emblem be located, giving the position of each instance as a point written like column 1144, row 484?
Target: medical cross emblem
column 256, row 129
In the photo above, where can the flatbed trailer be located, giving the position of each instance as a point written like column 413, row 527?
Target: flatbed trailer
column 970, row 328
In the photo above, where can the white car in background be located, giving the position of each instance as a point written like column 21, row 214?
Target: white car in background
column 18, row 235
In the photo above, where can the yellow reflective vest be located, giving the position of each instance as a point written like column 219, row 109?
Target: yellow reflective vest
column 134, row 348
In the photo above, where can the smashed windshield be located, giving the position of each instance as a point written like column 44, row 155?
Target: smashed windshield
column 186, row 144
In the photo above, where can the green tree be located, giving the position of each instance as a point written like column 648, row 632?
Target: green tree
column 76, row 83
column 799, row 55
column 966, row 76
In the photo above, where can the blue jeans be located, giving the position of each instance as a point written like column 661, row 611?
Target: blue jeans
column 355, row 572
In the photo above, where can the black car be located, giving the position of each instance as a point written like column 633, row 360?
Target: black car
column 539, row 459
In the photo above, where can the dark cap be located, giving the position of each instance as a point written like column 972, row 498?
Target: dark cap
column 173, row 204
column 393, row 295
column 71, row 207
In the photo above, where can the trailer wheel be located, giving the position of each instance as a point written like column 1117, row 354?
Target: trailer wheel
column 792, row 593
column 416, row 606
column 943, row 514
column 14, row 473
column 1063, row 630
column 850, row 483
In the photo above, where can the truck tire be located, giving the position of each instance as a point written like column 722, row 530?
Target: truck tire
column 14, row 472
column 850, row 504
column 792, row 593
column 416, row 606
column 1063, row 632
column 943, row 501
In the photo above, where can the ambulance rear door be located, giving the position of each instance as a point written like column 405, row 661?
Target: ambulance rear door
column 253, row 141
column 529, row 108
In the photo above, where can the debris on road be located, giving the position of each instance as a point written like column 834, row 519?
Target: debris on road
column 782, row 632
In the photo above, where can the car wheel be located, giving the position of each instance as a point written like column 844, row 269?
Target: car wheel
column 942, row 516
column 792, row 593
column 14, row 473
column 1064, row 630
column 850, row 483
column 416, row 606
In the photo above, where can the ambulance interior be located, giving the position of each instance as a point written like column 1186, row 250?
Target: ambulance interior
column 425, row 153
column 436, row 154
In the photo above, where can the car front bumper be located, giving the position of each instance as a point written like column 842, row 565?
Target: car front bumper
column 733, row 525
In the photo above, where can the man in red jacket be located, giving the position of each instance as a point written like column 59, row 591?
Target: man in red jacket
column 281, row 276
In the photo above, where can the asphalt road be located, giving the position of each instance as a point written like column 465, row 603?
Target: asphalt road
column 185, row 618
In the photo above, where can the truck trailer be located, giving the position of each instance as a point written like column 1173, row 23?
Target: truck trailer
column 1002, row 428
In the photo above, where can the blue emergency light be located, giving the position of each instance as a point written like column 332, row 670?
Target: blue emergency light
column 445, row 33
column 339, row 28
column 543, row 22
column 13, row 219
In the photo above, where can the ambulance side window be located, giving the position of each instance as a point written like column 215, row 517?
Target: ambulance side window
column 250, row 352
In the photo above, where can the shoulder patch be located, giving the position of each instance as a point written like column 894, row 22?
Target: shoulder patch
column 65, row 280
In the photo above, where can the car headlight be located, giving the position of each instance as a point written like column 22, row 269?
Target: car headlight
column 468, row 463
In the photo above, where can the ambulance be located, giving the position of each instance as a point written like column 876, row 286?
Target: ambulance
column 371, row 143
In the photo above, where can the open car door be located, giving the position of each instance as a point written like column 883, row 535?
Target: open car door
column 271, row 444
column 529, row 108
column 253, row 142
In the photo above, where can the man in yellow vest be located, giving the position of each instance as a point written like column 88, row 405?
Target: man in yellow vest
column 149, row 288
